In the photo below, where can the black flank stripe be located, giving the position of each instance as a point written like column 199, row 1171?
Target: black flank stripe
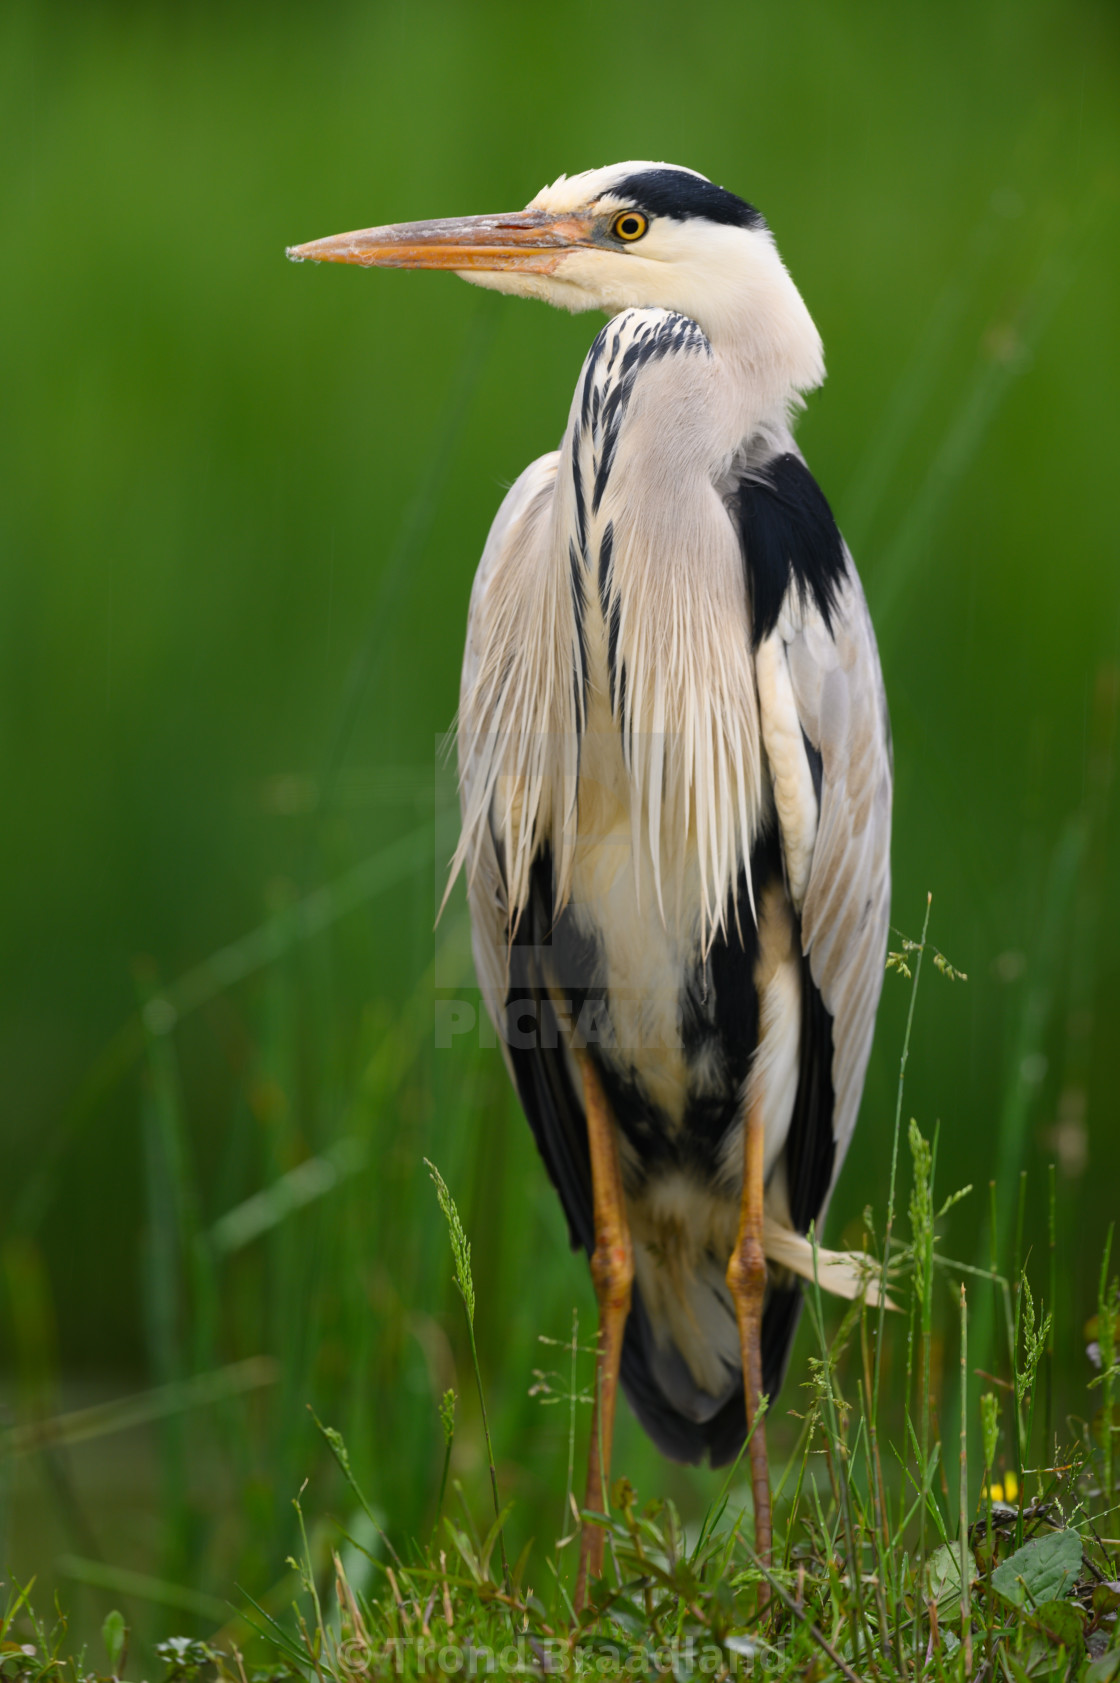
column 719, row 1021
column 810, row 1146
column 643, row 1122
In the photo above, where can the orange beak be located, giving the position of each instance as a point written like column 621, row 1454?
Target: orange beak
column 529, row 240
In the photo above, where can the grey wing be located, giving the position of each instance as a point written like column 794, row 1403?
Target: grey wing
column 827, row 737
column 824, row 723
column 517, row 522
column 513, row 966
column 838, row 691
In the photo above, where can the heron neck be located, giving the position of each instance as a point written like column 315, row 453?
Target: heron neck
column 766, row 347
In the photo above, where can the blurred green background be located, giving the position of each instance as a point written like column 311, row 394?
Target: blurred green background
column 240, row 508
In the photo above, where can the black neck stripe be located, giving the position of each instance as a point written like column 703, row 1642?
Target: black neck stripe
column 675, row 193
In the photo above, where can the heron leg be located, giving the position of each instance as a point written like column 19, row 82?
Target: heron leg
column 612, row 1272
column 746, row 1279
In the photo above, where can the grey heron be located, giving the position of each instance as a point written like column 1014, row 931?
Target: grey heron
column 675, row 775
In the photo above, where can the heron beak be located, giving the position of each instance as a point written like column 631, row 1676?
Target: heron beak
column 531, row 240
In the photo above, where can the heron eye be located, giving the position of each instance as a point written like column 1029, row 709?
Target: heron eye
column 629, row 225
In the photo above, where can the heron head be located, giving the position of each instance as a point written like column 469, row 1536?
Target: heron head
column 631, row 235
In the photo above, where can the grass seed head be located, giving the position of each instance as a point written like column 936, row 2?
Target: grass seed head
column 460, row 1245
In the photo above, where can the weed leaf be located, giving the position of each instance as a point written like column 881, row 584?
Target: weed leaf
column 1063, row 1623
column 1045, row 1569
column 943, row 1575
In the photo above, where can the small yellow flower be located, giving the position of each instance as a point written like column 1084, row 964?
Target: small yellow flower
column 1007, row 1492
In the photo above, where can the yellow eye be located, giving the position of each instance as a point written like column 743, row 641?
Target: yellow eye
column 629, row 225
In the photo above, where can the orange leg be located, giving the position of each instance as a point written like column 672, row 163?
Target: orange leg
column 612, row 1271
column 746, row 1278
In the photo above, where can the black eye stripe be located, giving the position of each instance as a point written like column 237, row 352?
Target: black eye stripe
column 677, row 194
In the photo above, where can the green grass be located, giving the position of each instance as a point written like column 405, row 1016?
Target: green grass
column 897, row 1553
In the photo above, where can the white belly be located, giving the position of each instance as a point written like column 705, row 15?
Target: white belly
column 644, row 956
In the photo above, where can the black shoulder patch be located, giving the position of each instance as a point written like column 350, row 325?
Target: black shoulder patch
column 677, row 193
column 789, row 537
